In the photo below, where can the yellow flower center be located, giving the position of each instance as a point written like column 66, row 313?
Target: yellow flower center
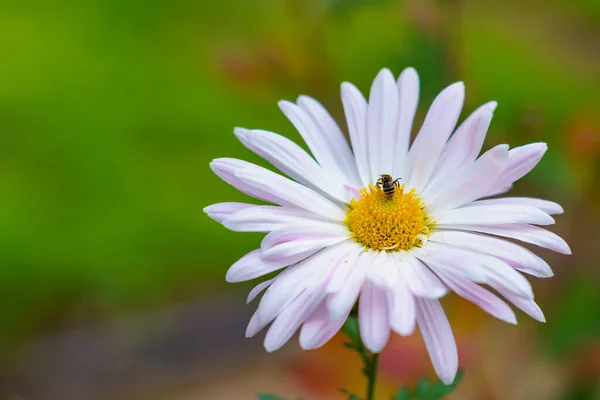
column 390, row 223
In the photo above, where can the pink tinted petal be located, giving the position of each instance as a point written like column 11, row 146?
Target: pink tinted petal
column 373, row 317
column 501, row 276
column 462, row 148
column 304, row 230
column 549, row 207
column 402, row 309
column 290, row 159
column 498, row 190
column 438, row 125
column 384, row 271
column 523, row 232
column 408, row 100
column 297, row 239
column 310, row 132
column 438, row 338
column 540, row 270
column 252, row 266
column 355, row 108
column 258, row 289
column 331, row 132
column 341, row 302
column 474, row 181
column 344, row 268
column 290, row 319
column 255, row 326
column 267, row 218
column 283, row 291
column 419, row 278
column 220, row 211
column 521, row 161
column 491, row 215
column 284, row 192
column 528, row 306
column 382, row 117
column 319, row 328
column 477, row 295
column 503, row 249
column 441, row 256
column 225, row 168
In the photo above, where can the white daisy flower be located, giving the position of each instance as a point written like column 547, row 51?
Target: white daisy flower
column 339, row 235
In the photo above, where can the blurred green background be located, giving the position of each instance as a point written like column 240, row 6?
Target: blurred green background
column 110, row 112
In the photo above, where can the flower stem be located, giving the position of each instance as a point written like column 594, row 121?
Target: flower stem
column 370, row 360
column 372, row 375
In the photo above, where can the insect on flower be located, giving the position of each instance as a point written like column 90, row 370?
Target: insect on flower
column 388, row 185
column 343, row 231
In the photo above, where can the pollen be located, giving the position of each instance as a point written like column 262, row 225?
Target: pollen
column 389, row 224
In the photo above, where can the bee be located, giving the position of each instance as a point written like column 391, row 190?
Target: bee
column 388, row 185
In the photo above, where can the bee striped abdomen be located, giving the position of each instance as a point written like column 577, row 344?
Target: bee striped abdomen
column 388, row 185
column 389, row 190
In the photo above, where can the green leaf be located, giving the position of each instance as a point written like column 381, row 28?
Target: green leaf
column 428, row 391
column 402, row 394
column 351, row 330
column 265, row 396
column 351, row 396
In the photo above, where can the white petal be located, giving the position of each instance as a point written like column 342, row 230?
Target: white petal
column 462, row 148
column 384, row 271
column 220, row 211
column 300, row 238
column 319, row 328
column 540, row 270
column 288, row 322
column 474, row 182
column 493, row 214
column 252, row 266
column 498, row 190
column 334, row 137
column 518, row 256
column 311, row 134
column 419, row 279
column 408, row 100
column 373, row 317
column 225, row 168
column 528, row 306
column 549, row 207
column 258, row 289
column 267, row 218
column 292, row 160
column 442, row 256
column 344, row 268
column 402, row 309
column 285, row 192
column 439, row 123
column 477, row 295
column 255, row 325
column 355, row 108
column 501, row 276
column 438, row 338
column 523, row 232
column 341, row 302
column 306, row 275
column 382, row 117
column 521, row 161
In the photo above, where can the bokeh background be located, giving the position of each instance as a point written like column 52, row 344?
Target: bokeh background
column 112, row 278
